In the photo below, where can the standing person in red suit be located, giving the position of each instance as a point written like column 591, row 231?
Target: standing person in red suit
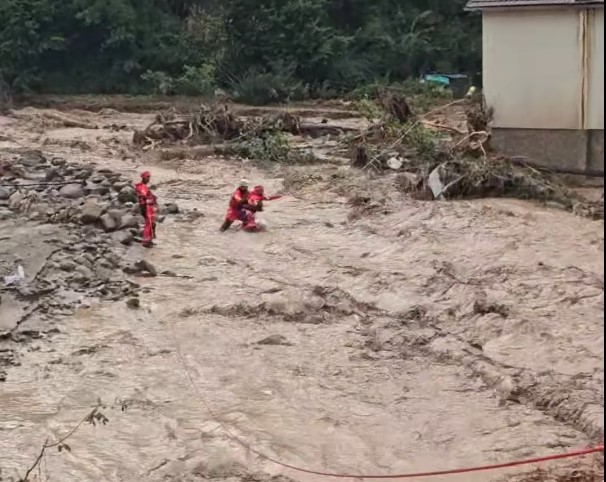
column 148, row 206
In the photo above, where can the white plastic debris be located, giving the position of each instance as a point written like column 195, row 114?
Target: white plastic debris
column 15, row 279
column 395, row 163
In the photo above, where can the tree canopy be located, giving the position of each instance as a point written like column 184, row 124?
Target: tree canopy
column 192, row 46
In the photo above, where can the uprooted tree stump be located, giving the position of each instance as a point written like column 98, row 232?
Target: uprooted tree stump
column 359, row 156
column 207, row 125
column 218, row 124
column 395, row 106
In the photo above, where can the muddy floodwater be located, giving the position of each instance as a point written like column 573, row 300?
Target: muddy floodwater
column 433, row 335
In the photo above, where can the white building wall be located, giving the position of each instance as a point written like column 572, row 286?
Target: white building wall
column 533, row 68
column 595, row 89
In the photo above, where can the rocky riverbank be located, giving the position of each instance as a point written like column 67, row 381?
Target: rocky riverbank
column 64, row 232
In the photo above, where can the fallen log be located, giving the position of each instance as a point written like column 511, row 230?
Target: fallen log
column 320, row 130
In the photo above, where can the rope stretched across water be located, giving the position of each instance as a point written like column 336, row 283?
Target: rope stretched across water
column 432, row 473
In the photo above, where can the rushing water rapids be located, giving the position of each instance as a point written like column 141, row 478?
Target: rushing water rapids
column 437, row 335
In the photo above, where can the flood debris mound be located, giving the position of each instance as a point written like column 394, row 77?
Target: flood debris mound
column 217, row 124
column 431, row 164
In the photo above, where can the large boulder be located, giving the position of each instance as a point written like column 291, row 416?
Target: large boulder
column 4, row 194
column 72, row 191
column 32, row 159
column 96, row 189
column 108, row 223
column 124, row 237
column 127, row 195
column 129, row 221
column 91, row 212
column 14, row 202
column 170, row 208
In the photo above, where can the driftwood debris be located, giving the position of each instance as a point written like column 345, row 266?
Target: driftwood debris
column 219, row 124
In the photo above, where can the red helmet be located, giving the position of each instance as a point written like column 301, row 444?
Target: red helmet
column 259, row 189
column 146, row 175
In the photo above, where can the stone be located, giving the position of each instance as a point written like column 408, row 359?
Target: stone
column 94, row 189
column 52, row 175
column 83, row 274
column 170, row 208
column 124, row 237
column 91, row 212
column 14, row 202
column 4, row 194
column 83, row 173
column 108, row 223
column 67, row 265
column 129, row 221
column 133, row 303
column 127, row 194
column 32, row 159
column 72, row 191
column 143, row 266
column 274, row 340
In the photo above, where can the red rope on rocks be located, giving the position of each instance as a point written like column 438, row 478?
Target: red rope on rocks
column 433, row 473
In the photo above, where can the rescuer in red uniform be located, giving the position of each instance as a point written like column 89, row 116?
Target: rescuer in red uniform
column 239, row 209
column 148, row 206
column 255, row 205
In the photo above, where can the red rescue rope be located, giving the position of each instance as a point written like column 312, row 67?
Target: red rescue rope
column 435, row 473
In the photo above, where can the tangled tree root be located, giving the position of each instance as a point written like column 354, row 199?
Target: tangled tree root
column 219, row 124
column 459, row 165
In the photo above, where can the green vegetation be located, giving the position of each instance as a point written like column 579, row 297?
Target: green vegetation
column 259, row 51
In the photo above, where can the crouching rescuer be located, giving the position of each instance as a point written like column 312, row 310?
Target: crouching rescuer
column 239, row 208
column 148, row 205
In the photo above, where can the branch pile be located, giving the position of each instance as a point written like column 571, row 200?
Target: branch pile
column 219, row 124
column 455, row 165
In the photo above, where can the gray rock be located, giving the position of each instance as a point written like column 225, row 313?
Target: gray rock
column 96, row 189
column 14, row 202
column 67, row 265
column 32, row 159
column 83, row 274
column 4, row 193
column 127, row 194
column 72, row 191
column 116, row 214
column 170, row 208
column 129, row 221
column 52, row 175
column 91, row 212
column 274, row 340
column 83, row 174
column 133, row 303
column 144, row 266
column 124, row 237
column 108, row 223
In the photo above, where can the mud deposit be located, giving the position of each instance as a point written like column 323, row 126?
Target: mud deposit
column 364, row 332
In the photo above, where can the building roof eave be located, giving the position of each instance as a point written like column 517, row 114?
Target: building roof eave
column 473, row 5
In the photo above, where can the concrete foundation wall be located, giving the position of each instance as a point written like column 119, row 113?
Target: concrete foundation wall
column 561, row 148
column 596, row 150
